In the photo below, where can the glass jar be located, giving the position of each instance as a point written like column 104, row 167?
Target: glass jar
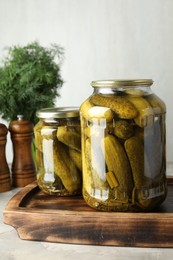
column 123, row 146
column 58, row 151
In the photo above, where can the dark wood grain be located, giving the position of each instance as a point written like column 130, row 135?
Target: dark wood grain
column 23, row 167
column 5, row 181
column 37, row 216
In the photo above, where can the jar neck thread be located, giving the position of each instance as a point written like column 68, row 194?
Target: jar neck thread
column 144, row 90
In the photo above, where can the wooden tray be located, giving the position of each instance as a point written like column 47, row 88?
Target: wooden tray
column 37, row 216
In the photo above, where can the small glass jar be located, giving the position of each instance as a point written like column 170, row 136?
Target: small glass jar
column 58, row 151
column 123, row 146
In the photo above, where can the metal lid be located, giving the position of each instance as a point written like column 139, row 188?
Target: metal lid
column 121, row 83
column 58, row 112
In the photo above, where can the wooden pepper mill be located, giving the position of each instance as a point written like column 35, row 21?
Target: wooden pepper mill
column 5, row 181
column 23, row 168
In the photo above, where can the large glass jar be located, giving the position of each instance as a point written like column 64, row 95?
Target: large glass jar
column 58, row 151
column 123, row 146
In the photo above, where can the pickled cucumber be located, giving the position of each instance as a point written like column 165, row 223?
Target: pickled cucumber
column 76, row 157
column 90, row 112
column 111, row 179
column 68, row 136
column 117, row 162
column 119, row 105
column 145, row 114
column 65, row 169
column 96, row 165
column 139, row 162
column 157, row 104
column 123, row 129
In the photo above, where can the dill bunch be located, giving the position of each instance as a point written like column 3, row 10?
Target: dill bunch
column 30, row 79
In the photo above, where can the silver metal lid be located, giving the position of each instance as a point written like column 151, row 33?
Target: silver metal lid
column 121, row 83
column 20, row 117
column 58, row 112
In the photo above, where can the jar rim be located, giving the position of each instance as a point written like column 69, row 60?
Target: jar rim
column 121, row 83
column 58, row 112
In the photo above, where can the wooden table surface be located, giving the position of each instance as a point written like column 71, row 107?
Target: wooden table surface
column 12, row 247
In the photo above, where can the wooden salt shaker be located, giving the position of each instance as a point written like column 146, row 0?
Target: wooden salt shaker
column 23, row 168
column 5, row 181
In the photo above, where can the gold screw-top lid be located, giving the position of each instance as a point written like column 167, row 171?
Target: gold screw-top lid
column 121, row 83
column 58, row 112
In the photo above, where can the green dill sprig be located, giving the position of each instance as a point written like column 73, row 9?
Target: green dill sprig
column 29, row 80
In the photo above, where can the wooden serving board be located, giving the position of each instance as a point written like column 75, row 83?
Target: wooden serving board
column 37, row 216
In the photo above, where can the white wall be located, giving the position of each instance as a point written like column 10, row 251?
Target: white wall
column 102, row 39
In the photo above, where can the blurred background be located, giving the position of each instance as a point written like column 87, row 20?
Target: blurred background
column 102, row 39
